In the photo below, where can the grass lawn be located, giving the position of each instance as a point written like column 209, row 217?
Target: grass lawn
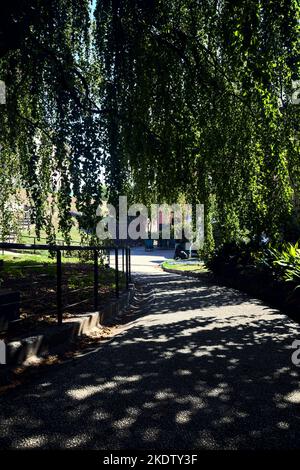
column 194, row 266
column 28, row 235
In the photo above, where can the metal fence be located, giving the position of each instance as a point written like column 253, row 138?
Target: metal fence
column 94, row 254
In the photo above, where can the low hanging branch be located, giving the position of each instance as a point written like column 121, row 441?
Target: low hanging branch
column 178, row 97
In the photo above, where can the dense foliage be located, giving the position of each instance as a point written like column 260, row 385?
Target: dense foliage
column 49, row 124
column 182, row 98
column 262, row 269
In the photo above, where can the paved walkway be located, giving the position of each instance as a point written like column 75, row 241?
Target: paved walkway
column 199, row 366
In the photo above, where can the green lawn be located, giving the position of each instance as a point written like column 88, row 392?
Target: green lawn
column 25, row 259
column 28, row 235
column 17, row 266
column 196, row 267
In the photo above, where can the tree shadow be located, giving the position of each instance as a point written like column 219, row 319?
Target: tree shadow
column 214, row 375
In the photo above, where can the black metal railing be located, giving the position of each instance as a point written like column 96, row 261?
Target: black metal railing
column 35, row 241
column 121, row 266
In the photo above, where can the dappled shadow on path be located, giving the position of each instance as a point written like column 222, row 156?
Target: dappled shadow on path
column 210, row 371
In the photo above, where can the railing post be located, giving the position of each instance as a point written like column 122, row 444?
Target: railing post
column 129, row 263
column 123, row 259
column 117, row 271
column 127, row 269
column 96, row 280
column 58, row 287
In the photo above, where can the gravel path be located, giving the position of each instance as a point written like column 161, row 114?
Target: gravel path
column 198, row 366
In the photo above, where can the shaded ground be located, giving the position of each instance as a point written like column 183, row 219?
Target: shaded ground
column 198, row 366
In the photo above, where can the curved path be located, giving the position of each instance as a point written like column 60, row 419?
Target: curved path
column 198, row 366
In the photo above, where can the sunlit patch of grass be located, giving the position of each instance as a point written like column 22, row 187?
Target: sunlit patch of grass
column 19, row 266
column 195, row 267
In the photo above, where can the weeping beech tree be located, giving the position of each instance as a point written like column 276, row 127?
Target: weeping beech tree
column 194, row 89
column 50, row 122
column 187, row 98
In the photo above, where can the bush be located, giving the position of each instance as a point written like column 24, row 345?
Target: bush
column 232, row 255
column 287, row 262
column 260, row 269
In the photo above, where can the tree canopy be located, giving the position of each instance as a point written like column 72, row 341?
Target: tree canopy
column 186, row 97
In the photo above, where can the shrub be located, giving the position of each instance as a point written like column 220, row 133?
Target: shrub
column 274, row 267
column 233, row 254
column 286, row 260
